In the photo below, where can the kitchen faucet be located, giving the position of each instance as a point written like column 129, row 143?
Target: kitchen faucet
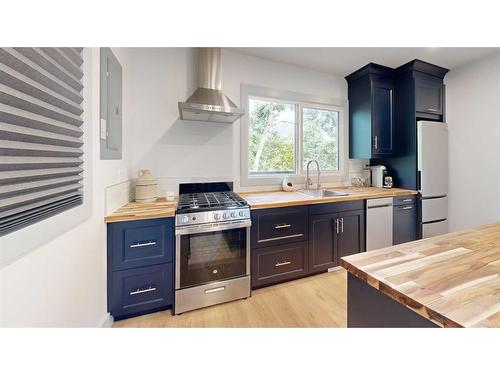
column 308, row 180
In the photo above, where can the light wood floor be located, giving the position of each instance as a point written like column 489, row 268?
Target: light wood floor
column 317, row 301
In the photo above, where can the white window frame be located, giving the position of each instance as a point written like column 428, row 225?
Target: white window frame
column 301, row 101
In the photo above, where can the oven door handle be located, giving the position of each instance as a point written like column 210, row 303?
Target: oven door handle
column 213, row 227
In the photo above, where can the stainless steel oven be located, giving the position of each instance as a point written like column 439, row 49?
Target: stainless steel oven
column 212, row 263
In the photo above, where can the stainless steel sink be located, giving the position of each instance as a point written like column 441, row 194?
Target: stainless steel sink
column 322, row 193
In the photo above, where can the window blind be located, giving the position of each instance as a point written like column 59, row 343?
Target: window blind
column 40, row 134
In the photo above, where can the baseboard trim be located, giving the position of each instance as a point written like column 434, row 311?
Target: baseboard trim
column 108, row 322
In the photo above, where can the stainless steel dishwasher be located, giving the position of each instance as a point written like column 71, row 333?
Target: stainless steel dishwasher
column 378, row 223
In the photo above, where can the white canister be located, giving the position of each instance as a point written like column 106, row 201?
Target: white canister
column 146, row 187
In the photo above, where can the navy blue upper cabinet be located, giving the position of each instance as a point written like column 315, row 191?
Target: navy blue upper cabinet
column 382, row 116
column 428, row 88
column 429, row 95
column 371, row 112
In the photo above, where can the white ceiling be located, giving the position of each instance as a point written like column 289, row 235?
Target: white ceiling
column 343, row 60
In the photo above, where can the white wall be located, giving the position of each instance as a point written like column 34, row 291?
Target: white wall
column 178, row 150
column 59, row 275
column 53, row 273
column 473, row 117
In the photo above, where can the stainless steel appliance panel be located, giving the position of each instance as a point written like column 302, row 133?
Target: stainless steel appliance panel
column 378, row 223
column 434, row 229
column 432, row 141
column 211, row 294
column 225, row 249
column 434, row 209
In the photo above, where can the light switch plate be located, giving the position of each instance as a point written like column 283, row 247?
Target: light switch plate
column 103, row 130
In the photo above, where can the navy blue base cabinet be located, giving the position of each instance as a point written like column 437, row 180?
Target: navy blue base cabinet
column 140, row 267
column 293, row 242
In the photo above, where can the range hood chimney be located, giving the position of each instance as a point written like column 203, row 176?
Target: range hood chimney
column 208, row 103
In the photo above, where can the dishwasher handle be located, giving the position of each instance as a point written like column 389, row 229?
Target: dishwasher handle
column 379, row 202
column 380, row 205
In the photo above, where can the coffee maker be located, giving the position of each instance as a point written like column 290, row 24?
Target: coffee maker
column 379, row 176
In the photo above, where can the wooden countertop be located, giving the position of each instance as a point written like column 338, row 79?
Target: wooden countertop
column 272, row 199
column 452, row 280
column 140, row 211
column 162, row 208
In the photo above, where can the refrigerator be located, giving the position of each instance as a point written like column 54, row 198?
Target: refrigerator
column 432, row 177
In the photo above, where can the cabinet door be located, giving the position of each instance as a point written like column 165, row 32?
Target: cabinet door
column 404, row 224
column 351, row 237
column 382, row 117
column 429, row 96
column 323, row 242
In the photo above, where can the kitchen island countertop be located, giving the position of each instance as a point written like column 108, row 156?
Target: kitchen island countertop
column 452, row 280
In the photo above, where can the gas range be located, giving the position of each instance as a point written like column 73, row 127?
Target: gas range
column 203, row 203
column 212, row 246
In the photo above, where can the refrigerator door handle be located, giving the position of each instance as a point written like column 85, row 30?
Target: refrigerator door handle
column 419, row 180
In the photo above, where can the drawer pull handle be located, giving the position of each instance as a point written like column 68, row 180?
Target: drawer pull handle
column 281, row 238
column 407, row 200
column 142, row 244
column 140, row 291
column 281, row 226
column 407, row 207
column 432, row 109
column 215, row 290
column 280, row 264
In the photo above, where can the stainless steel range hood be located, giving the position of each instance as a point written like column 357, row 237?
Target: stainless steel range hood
column 208, row 103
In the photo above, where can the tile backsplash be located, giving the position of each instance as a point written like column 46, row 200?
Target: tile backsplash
column 117, row 195
column 356, row 167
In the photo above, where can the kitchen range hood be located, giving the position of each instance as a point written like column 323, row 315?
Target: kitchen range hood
column 208, row 103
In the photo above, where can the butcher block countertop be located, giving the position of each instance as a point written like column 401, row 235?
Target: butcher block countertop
column 453, row 280
column 140, row 211
column 161, row 208
column 272, row 199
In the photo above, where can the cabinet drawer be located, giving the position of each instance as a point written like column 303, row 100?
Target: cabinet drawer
column 140, row 243
column 328, row 208
column 405, row 200
column 141, row 289
column 279, row 263
column 279, row 225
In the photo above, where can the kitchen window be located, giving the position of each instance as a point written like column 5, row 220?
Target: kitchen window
column 282, row 131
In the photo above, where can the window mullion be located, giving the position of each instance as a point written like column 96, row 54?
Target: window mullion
column 299, row 140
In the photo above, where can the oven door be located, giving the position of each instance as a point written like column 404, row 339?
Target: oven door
column 212, row 252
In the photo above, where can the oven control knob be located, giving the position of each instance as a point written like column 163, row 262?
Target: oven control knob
column 233, row 214
column 226, row 215
column 216, row 216
column 184, row 219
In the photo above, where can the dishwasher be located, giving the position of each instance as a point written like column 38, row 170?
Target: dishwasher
column 378, row 223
